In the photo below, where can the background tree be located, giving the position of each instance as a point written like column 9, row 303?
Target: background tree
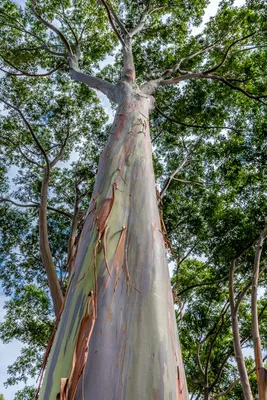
column 221, row 78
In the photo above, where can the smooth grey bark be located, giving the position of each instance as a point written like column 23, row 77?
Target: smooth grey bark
column 260, row 369
column 46, row 256
column 237, row 343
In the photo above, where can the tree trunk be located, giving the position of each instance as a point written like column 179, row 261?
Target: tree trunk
column 46, row 256
column 117, row 335
column 207, row 393
column 237, row 344
column 260, row 369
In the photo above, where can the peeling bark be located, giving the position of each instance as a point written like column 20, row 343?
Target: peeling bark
column 132, row 351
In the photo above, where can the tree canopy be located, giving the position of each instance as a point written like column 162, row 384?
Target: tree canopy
column 209, row 141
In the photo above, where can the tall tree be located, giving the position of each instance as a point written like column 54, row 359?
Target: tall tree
column 116, row 333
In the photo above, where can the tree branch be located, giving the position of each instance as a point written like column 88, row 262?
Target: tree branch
column 194, row 75
column 35, row 205
column 202, row 284
column 25, row 73
column 21, row 28
column 170, row 178
column 227, row 52
column 52, row 28
column 111, row 14
column 105, row 87
column 116, row 18
column 29, row 128
column 260, row 370
column 65, row 19
column 233, row 384
column 237, row 343
column 192, row 125
column 16, row 145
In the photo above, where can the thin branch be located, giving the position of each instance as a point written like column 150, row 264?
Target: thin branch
column 185, row 181
column 199, row 361
column 233, row 384
column 111, row 15
column 194, row 75
column 65, row 19
column 28, row 125
column 192, row 125
column 170, row 178
column 16, row 145
column 203, row 284
column 35, row 205
column 138, row 28
column 62, row 149
column 21, row 28
column 52, row 28
column 227, row 52
column 25, row 73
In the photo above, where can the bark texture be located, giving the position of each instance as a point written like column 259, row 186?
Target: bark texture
column 117, row 337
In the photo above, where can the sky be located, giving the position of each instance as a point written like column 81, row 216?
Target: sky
column 9, row 352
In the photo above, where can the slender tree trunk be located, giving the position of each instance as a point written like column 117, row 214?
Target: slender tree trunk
column 53, row 282
column 260, row 370
column 117, row 335
column 72, row 237
column 207, row 393
column 237, row 344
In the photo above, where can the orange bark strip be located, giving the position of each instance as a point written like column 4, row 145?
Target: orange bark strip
column 50, row 343
column 104, row 212
column 82, row 345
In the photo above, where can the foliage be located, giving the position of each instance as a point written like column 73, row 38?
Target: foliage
column 214, row 207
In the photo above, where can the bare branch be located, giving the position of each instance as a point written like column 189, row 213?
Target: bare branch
column 25, row 73
column 111, row 14
column 52, row 28
column 233, row 384
column 21, row 28
column 105, row 87
column 202, row 284
column 117, row 19
column 194, row 75
column 170, row 178
column 35, row 205
column 17, row 146
column 65, row 19
column 62, row 149
column 28, row 125
column 227, row 52
column 192, row 125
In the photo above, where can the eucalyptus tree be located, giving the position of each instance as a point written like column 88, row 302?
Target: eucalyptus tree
column 116, row 333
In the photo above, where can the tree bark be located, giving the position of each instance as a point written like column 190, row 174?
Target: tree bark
column 46, row 256
column 260, row 369
column 117, row 335
column 207, row 393
column 72, row 237
column 237, row 344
